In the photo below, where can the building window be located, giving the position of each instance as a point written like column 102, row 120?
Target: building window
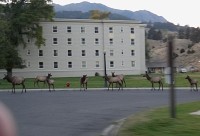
column 82, row 29
column 40, row 52
column 96, row 41
column 83, row 64
column 122, row 29
column 111, row 52
column 83, row 53
column 69, row 52
column 96, row 52
column 41, row 65
column 28, row 52
column 122, row 63
column 110, row 29
column 83, row 41
column 69, row 41
column 111, row 41
column 55, row 52
column 111, row 64
column 96, row 30
column 132, row 52
column 70, row 64
column 55, row 40
column 122, row 40
column 132, row 63
column 55, row 64
column 97, row 64
column 132, row 30
column 55, row 29
column 29, row 64
column 132, row 41
column 69, row 29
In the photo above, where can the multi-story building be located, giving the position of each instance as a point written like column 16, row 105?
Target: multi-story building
column 82, row 46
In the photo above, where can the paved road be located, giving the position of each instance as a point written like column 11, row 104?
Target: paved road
column 75, row 113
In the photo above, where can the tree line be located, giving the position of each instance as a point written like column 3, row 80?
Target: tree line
column 183, row 32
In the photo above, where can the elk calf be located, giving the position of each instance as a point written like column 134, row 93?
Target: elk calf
column 83, row 82
column 193, row 82
column 50, row 82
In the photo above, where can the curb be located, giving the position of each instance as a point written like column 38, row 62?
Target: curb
column 113, row 129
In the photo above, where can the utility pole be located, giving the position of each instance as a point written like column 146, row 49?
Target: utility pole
column 171, row 65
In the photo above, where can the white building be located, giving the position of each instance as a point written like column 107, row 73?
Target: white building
column 75, row 47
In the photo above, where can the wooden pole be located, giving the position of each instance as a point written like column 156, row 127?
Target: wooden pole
column 172, row 90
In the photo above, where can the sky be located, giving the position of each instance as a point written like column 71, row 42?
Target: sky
column 182, row 12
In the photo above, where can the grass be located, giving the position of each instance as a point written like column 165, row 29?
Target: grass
column 132, row 81
column 157, row 122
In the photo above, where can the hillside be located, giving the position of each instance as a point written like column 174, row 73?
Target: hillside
column 187, row 54
column 141, row 15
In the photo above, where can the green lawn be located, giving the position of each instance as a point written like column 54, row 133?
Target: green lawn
column 158, row 122
column 136, row 81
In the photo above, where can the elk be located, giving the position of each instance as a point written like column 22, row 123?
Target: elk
column 50, row 82
column 154, row 80
column 193, row 82
column 112, row 80
column 121, row 76
column 40, row 79
column 15, row 80
column 83, row 82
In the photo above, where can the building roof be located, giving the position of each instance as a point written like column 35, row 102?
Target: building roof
column 96, row 21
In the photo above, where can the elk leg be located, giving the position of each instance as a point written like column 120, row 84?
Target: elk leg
column 196, row 87
column 162, row 85
column 124, row 82
column 53, row 87
column 49, row 88
column 119, row 85
column 109, row 86
column 159, row 86
column 152, row 86
column 24, row 88
column 13, row 88
column 112, row 86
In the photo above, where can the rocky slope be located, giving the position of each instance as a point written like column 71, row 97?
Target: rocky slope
column 187, row 54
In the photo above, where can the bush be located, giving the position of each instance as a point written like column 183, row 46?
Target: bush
column 182, row 50
column 190, row 51
column 97, row 74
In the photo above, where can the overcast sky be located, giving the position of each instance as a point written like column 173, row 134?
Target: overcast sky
column 183, row 12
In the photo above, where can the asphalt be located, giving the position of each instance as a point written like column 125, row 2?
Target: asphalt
column 113, row 128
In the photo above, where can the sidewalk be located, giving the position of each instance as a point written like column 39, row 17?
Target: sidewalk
column 78, row 89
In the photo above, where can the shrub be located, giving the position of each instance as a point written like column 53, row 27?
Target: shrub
column 97, row 74
column 182, row 50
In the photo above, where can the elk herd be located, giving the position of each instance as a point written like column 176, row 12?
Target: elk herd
column 118, row 80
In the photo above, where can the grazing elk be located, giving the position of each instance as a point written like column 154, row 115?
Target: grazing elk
column 15, row 80
column 121, row 76
column 50, row 82
column 193, row 82
column 83, row 82
column 112, row 80
column 40, row 79
column 154, row 80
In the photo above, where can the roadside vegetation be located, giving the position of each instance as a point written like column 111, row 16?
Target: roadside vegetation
column 158, row 122
column 132, row 81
